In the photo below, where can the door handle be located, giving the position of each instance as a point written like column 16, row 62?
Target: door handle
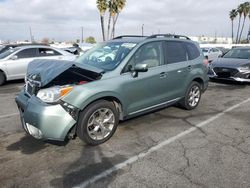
column 163, row 75
column 189, row 67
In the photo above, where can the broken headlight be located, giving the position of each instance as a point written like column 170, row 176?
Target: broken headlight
column 53, row 94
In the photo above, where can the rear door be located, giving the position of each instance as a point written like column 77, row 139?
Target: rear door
column 178, row 68
column 17, row 68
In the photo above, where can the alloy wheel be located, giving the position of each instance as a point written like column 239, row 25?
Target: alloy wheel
column 101, row 124
column 194, row 96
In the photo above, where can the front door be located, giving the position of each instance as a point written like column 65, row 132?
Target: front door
column 148, row 88
column 17, row 68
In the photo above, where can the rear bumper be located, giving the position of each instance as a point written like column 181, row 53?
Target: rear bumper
column 44, row 121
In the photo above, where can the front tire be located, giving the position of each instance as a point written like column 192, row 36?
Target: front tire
column 192, row 96
column 98, row 122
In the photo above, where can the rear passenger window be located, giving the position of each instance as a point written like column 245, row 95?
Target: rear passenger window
column 176, row 52
column 47, row 52
column 193, row 51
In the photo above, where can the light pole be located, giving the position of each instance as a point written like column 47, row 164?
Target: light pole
column 142, row 30
column 31, row 36
column 82, row 34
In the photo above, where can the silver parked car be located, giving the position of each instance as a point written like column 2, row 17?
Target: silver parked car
column 211, row 53
column 14, row 62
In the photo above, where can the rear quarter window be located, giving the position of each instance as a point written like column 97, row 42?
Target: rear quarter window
column 192, row 50
column 47, row 52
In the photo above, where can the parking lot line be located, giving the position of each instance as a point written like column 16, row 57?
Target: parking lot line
column 8, row 115
column 157, row 147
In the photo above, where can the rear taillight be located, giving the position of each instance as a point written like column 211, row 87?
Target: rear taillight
column 206, row 62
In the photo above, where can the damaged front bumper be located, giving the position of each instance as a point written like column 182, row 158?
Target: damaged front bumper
column 229, row 74
column 42, row 120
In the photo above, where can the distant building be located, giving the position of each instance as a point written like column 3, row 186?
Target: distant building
column 212, row 40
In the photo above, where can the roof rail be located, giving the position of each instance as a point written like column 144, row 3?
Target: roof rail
column 128, row 36
column 169, row 36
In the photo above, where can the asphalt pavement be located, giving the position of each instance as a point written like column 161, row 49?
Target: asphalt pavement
column 172, row 147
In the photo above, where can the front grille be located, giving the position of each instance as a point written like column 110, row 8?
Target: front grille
column 224, row 72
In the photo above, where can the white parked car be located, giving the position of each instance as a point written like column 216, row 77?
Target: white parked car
column 211, row 53
column 14, row 62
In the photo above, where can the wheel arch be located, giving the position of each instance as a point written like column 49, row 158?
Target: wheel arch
column 200, row 81
column 117, row 102
column 1, row 70
column 4, row 74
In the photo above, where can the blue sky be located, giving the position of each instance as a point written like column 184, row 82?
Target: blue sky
column 62, row 19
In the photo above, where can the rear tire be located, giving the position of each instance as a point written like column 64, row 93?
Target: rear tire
column 192, row 96
column 98, row 122
column 2, row 78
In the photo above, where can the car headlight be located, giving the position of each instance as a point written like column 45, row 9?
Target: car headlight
column 53, row 94
column 245, row 67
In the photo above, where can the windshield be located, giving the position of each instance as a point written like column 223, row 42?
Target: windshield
column 238, row 53
column 204, row 50
column 8, row 52
column 107, row 55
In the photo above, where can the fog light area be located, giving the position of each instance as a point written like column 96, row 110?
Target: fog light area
column 35, row 132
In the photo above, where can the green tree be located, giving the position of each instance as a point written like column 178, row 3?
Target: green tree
column 233, row 14
column 240, row 11
column 102, row 7
column 245, row 12
column 90, row 40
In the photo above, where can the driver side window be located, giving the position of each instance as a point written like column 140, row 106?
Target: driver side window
column 150, row 54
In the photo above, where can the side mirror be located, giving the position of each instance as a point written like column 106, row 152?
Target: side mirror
column 139, row 68
column 14, row 57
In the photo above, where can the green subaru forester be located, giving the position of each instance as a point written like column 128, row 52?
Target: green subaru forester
column 116, row 80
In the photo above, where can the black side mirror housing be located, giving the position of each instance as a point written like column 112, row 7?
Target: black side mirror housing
column 139, row 68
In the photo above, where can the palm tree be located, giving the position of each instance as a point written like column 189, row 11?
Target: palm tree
column 119, row 5
column 245, row 11
column 240, row 11
column 102, row 7
column 233, row 14
column 112, row 10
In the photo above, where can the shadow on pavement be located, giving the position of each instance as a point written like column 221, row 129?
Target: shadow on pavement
column 27, row 145
column 92, row 162
column 14, row 82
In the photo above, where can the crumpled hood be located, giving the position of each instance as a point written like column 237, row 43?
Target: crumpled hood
column 45, row 70
column 229, row 62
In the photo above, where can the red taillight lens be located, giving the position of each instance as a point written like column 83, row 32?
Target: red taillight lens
column 206, row 62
